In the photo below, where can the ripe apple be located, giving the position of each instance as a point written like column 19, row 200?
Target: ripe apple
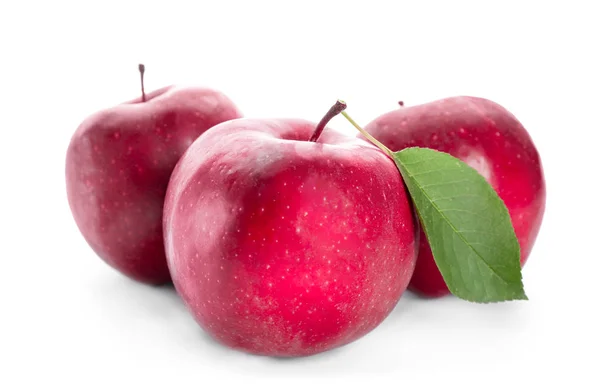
column 285, row 242
column 118, row 166
column 487, row 137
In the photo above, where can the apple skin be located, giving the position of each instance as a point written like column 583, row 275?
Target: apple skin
column 118, row 166
column 284, row 247
column 490, row 139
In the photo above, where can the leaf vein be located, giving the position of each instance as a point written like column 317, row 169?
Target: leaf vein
column 445, row 218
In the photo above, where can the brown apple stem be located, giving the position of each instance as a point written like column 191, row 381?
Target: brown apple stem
column 384, row 148
column 333, row 111
column 142, row 69
column 401, row 103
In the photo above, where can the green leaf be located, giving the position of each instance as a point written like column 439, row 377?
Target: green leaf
column 467, row 225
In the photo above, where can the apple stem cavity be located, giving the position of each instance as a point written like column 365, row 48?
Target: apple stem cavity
column 142, row 70
column 336, row 109
column 384, row 148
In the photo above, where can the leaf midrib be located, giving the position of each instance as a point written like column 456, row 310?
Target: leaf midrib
column 402, row 167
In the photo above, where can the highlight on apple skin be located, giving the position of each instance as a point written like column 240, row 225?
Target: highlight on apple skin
column 118, row 165
column 488, row 138
column 282, row 246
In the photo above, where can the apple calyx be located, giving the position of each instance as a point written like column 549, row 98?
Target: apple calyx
column 336, row 109
column 142, row 70
column 376, row 142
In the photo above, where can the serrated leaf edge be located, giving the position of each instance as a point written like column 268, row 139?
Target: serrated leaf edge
column 521, row 295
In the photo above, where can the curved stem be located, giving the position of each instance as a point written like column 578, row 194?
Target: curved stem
column 333, row 111
column 384, row 148
column 142, row 70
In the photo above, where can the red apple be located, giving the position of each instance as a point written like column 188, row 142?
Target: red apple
column 491, row 140
column 118, row 166
column 283, row 246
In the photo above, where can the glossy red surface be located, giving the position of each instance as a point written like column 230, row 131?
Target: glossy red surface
column 118, row 166
column 284, row 247
column 488, row 138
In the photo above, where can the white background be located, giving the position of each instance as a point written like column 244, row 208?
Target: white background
column 69, row 319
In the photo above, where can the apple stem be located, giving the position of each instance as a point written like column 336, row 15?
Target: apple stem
column 401, row 103
column 336, row 109
column 384, row 148
column 142, row 69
